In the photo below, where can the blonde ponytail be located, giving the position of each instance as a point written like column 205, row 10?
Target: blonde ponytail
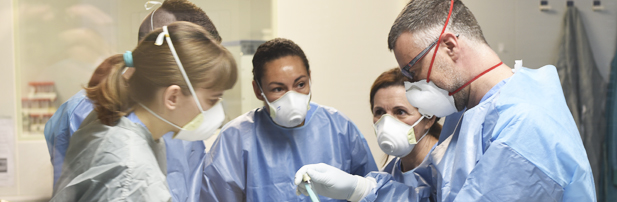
column 109, row 97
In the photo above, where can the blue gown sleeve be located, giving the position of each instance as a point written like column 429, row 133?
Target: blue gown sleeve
column 388, row 189
column 184, row 160
column 57, row 136
column 62, row 125
column 79, row 113
column 502, row 174
column 196, row 167
column 362, row 161
column 533, row 156
column 224, row 176
column 53, row 127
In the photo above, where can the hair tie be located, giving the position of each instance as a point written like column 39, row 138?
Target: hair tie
column 128, row 59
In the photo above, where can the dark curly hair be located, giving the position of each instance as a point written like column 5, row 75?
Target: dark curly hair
column 272, row 50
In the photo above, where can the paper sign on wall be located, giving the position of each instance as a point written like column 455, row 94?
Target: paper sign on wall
column 7, row 148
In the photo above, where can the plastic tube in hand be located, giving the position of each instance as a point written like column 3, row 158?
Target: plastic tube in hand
column 309, row 189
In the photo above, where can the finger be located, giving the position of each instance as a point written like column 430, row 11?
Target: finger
column 303, row 189
column 321, row 167
column 298, row 177
column 317, row 176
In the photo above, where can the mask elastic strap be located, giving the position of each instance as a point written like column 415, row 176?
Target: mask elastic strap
column 158, row 42
column 428, row 75
column 474, row 78
column 423, row 136
column 310, row 89
column 159, row 117
column 418, row 121
column 262, row 93
column 149, row 5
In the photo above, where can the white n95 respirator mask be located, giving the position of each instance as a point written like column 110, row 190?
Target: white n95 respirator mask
column 205, row 123
column 290, row 109
column 430, row 99
column 395, row 137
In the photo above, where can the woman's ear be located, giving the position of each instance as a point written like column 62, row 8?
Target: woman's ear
column 429, row 123
column 257, row 91
column 171, row 97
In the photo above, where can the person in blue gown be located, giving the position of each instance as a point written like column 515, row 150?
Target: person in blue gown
column 507, row 136
column 118, row 154
column 183, row 157
column 387, row 98
column 257, row 154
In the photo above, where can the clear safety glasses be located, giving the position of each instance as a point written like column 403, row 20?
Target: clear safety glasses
column 406, row 68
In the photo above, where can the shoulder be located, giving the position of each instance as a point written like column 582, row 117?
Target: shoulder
column 335, row 121
column 111, row 140
column 65, row 111
column 332, row 113
column 544, row 135
column 78, row 99
column 243, row 123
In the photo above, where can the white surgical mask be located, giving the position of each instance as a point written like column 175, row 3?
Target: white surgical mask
column 395, row 137
column 290, row 109
column 430, row 99
column 205, row 123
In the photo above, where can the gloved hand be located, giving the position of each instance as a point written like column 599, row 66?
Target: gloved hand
column 333, row 183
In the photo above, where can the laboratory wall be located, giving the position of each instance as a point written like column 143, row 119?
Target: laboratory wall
column 520, row 30
column 31, row 173
column 345, row 42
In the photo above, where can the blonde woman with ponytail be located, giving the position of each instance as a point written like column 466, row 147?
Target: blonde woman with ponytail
column 172, row 81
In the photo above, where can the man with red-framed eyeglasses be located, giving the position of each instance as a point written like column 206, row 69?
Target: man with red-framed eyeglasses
column 507, row 136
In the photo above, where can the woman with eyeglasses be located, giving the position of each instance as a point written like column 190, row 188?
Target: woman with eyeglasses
column 172, row 81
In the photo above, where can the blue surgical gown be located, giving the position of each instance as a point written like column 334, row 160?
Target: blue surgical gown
column 520, row 143
column 62, row 125
column 254, row 159
column 184, row 158
column 410, row 179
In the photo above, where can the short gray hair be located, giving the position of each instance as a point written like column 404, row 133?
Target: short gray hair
column 425, row 19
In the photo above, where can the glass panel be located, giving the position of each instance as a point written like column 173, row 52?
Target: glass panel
column 60, row 43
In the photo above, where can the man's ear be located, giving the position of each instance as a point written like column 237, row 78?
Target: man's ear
column 257, row 91
column 451, row 45
column 171, row 97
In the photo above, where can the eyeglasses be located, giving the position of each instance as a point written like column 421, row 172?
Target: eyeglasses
column 405, row 69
